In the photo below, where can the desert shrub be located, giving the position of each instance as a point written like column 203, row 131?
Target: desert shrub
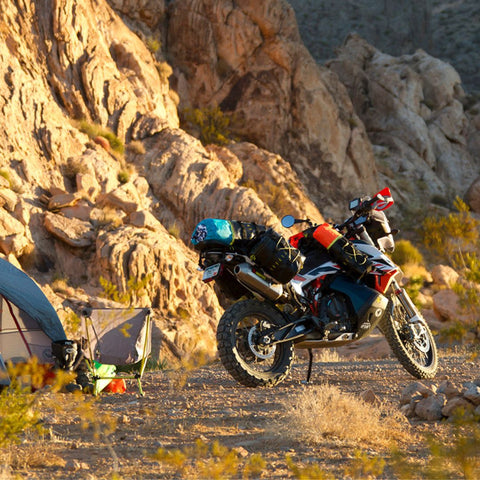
column 406, row 253
column 164, row 71
column 174, row 230
column 338, row 415
column 451, row 235
column 153, row 44
column 13, row 185
column 6, row 175
column 72, row 324
column 454, row 239
column 18, row 402
column 135, row 288
column 213, row 461
column 210, row 124
column 94, row 130
column 364, row 466
column 18, row 415
column 458, row 457
column 108, row 217
column 137, row 147
column 312, row 471
column 60, row 283
column 74, row 166
column 123, row 176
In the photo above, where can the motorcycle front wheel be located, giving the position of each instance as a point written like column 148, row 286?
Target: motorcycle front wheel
column 411, row 341
column 247, row 362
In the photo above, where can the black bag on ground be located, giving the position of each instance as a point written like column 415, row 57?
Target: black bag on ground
column 273, row 253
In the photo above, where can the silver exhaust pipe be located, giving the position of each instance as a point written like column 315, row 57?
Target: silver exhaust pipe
column 249, row 278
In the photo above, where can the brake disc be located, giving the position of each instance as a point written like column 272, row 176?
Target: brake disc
column 259, row 351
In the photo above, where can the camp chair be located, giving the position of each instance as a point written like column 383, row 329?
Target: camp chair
column 116, row 337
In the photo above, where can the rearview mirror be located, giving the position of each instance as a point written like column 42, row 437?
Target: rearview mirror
column 288, row 221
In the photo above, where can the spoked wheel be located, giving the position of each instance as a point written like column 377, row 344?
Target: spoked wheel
column 412, row 342
column 250, row 362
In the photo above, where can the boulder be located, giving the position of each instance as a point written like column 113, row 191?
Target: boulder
column 72, row 231
column 415, row 389
column 62, row 200
column 446, row 306
column 472, row 394
column 87, row 184
column 444, row 275
column 430, row 408
column 8, row 199
column 450, row 389
column 125, row 198
column 472, row 196
column 436, row 403
column 144, row 219
column 456, row 404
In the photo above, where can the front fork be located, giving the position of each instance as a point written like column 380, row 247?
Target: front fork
column 412, row 311
column 416, row 323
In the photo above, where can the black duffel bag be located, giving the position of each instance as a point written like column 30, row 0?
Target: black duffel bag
column 279, row 259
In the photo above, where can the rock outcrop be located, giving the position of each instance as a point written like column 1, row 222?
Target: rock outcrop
column 73, row 206
column 98, row 180
column 413, row 112
column 248, row 59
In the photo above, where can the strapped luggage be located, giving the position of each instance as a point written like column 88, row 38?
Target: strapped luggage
column 218, row 233
column 273, row 253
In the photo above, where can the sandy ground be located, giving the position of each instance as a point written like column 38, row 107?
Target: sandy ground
column 206, row 404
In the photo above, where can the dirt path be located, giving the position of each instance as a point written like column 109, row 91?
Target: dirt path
column 207, row 404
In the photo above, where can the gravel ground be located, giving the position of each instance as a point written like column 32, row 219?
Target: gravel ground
column 207, row 404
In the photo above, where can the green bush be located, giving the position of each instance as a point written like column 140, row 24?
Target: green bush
column 210, row 124
column 454, row 239
column 123, row 176
column 93, row 130
column 406, row 253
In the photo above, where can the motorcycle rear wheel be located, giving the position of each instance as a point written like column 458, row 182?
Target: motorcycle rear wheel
column 412, row 343
column 248, row 363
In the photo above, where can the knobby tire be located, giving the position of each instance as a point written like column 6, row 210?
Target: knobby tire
column 400, row 350
column 234, row 350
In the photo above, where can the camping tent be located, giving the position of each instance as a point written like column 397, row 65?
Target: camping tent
column 28, row 321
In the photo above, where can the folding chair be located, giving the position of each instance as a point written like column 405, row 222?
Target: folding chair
column 119, row 337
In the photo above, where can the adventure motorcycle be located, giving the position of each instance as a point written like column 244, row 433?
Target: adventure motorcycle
column 330, row 285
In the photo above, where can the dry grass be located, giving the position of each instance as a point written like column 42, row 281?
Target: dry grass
column 34, row 456
column 328, row 355
column 321, row 414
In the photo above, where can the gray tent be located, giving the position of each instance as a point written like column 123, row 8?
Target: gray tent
column 28, row 321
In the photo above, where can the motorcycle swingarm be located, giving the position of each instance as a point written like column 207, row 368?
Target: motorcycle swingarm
column 286, row 333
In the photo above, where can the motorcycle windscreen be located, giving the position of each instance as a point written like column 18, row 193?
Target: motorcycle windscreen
column 379, row 230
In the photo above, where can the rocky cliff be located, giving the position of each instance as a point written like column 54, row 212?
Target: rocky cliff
column 98, row 180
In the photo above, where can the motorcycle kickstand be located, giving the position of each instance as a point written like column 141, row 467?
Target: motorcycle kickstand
column 310, row 361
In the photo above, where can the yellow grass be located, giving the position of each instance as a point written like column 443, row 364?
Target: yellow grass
column 324, row 413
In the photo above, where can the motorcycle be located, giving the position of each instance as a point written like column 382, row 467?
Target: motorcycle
column 328, row 286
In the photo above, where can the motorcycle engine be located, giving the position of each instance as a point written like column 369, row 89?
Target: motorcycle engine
column 334, row 314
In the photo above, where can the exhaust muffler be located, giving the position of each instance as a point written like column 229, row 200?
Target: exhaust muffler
column 249, row 278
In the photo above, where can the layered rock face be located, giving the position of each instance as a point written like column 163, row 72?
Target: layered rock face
column 74, row 208
column 248, row 59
